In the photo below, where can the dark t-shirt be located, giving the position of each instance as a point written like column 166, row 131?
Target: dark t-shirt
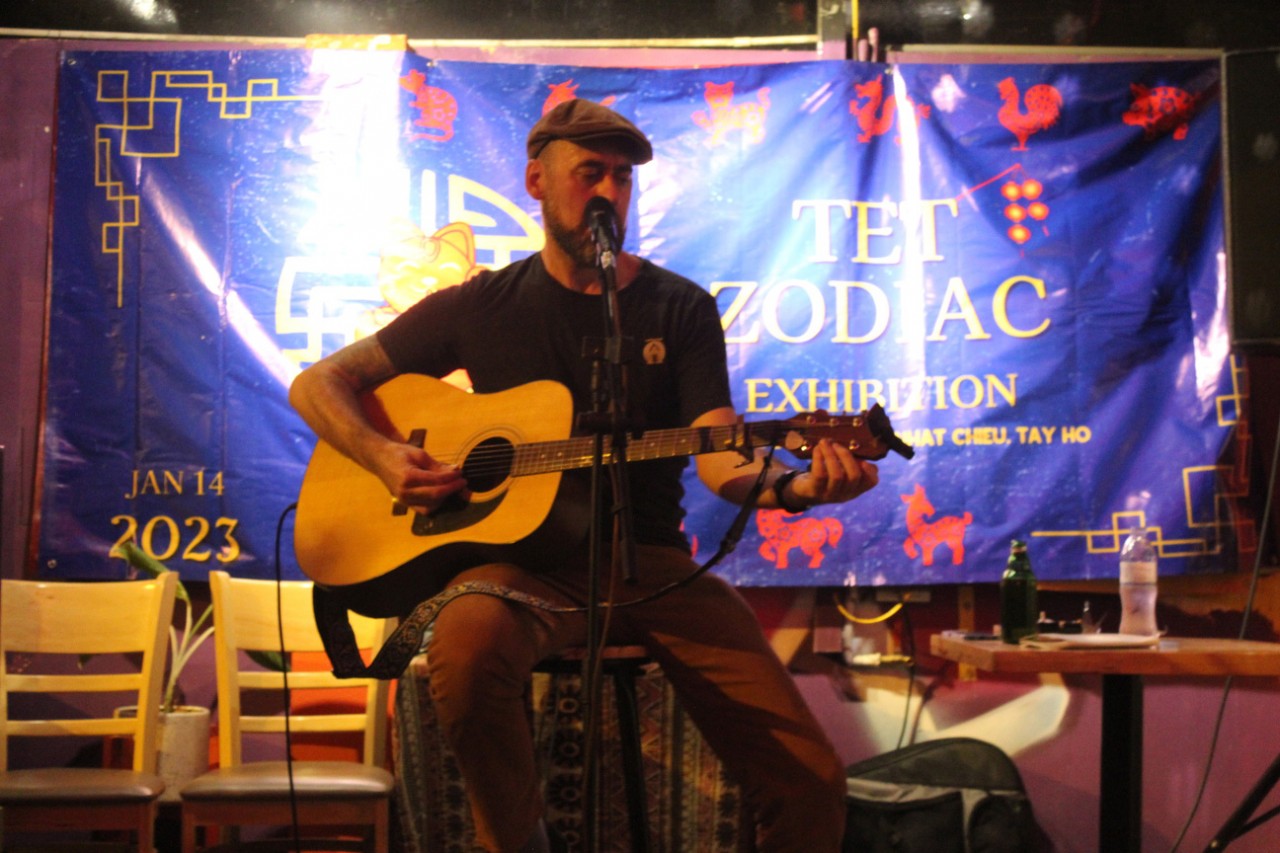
column 518, row 325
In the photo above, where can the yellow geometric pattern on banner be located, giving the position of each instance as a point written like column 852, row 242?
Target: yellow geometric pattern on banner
column 1228, row 482
column 157, row 120
column 469, row 202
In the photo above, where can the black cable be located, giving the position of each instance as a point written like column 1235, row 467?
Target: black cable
column 593, row 666
column 926, row 693
column 592, row 693
column 909, row 646
column 1244, row 626
column 284, row 675
column 727, row 545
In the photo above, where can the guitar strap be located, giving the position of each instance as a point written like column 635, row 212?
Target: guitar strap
column 406, row 641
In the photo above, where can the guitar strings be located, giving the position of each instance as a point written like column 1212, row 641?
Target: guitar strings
column 579, row 451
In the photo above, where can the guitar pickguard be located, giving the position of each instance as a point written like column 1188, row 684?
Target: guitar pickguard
column 455, row 515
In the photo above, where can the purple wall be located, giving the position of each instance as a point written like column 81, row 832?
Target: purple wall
column 27, row 79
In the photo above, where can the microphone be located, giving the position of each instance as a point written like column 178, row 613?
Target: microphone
column 603, row 223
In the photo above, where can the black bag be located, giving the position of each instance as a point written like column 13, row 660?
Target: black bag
column 951, row 795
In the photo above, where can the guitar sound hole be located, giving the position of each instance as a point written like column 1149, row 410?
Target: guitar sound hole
column 488, row 464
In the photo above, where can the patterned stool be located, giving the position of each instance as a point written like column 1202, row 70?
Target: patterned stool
column 672, row 778
column 622, row 665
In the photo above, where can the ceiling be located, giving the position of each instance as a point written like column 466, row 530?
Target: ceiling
column 1230, row 24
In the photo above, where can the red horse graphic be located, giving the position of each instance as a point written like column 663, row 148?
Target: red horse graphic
column 924, row 536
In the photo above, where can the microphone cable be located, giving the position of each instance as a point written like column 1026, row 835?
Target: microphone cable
column 727, row 545
column 284, row 675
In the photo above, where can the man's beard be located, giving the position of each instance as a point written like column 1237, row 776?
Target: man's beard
column 577, row 243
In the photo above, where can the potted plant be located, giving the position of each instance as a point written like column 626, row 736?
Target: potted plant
column 184, row 729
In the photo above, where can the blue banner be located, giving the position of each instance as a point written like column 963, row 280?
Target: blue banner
column 1022, row 263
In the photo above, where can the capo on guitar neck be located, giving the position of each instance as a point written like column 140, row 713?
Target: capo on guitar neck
column 869, row 435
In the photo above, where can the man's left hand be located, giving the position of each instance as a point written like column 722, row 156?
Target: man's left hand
column 835, row 475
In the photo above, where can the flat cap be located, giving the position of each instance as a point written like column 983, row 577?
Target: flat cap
column 584, row 122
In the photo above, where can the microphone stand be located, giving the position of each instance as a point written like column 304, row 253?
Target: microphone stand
column 608, row 419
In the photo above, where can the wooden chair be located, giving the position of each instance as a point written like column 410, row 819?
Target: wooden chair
column 328, row 793
column 40, row 620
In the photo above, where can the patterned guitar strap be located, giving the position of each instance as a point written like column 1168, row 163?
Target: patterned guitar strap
column 406, row 641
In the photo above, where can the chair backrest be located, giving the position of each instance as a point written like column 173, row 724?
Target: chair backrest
column 245, row 619
column 75, row 619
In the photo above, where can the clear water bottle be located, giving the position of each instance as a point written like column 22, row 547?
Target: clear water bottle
column 1138, row 585
column 1018, row 612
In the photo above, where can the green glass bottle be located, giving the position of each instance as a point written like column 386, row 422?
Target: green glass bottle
column 1018, row 611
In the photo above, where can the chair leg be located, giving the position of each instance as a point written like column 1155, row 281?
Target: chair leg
column 146, row 829
column 197, row 836
column 382, row 828
column 188, row 833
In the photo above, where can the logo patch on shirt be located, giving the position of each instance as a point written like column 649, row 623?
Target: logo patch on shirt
column 655, row 351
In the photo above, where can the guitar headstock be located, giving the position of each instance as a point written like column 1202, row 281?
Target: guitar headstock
column 868, row 435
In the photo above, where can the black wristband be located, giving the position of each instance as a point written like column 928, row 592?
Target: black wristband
column 780, row 492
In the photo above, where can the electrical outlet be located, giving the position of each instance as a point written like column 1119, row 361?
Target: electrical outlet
column 904, row 596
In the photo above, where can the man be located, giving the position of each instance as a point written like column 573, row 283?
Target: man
column 528, row 321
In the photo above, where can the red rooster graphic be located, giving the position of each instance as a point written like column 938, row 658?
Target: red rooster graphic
column 1044, row 104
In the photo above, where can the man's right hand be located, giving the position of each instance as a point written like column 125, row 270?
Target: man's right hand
column 327, row 395
column 416, row 479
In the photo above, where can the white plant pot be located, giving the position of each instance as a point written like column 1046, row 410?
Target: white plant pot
column 184, row 747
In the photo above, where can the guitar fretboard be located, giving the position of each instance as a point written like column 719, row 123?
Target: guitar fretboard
column 545, row 457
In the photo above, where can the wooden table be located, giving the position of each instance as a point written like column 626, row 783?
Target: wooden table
column 1122, row 670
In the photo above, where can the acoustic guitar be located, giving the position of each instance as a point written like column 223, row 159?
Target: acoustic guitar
column 512, row 447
